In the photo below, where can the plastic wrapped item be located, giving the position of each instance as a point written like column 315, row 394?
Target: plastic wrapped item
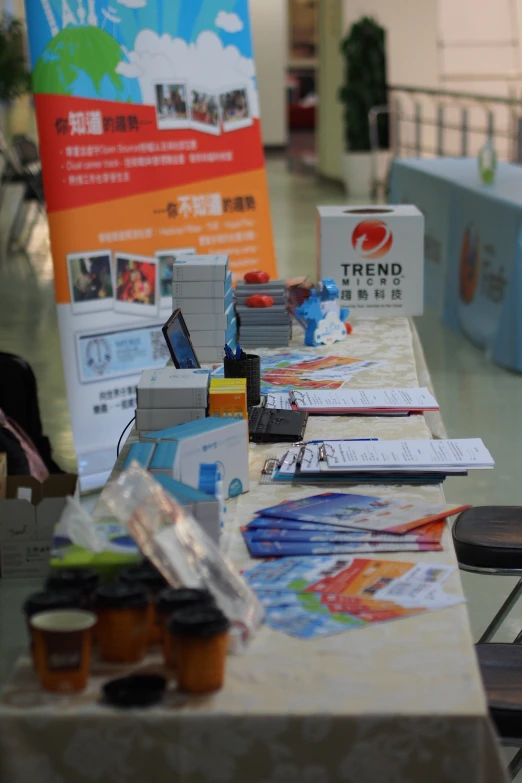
column 181, row 549
column 76, row 524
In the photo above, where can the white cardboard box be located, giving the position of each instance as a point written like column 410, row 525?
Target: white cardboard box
column 214, row 441
column 208, row 354
column 28, row 516
column 375, row 255
column 210, row 289
column 168, row 387
column 216, row 337
column 200, row 268
column 148, row 419
column 209, row 321
column 194, row 305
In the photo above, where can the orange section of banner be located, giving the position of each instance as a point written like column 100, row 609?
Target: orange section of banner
column 227, row 215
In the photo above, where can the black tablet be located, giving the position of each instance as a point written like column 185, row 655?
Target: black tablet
column 177, row 337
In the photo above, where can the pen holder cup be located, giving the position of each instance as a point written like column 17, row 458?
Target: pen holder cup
column 249, row 368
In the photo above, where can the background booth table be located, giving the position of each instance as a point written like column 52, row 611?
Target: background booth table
column 473, row 248
column 400, row 702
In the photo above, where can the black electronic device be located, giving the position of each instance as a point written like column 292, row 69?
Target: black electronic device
column 177, row 337
column 275, row 425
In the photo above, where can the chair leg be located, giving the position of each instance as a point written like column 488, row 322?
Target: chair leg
column 502, row 613
column 515, row 765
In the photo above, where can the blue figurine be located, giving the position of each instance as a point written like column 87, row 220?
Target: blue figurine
column 325, row 319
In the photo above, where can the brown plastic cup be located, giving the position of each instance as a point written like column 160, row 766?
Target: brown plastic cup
column 200, row 641
column 62, row 649
column 48, row 601
column 149, row 578
column 123, row 616
column 169, row 601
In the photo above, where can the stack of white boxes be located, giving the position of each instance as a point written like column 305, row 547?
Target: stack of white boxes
column 202, row 290
column 168, row 397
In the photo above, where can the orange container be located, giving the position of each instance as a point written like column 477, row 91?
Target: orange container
column 48, row 601
column 199, row 643
column 62, row 649
column 149, row 578
column 169, row 601
column 123, row 623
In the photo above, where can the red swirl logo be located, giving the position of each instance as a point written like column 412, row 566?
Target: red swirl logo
column 372, row 239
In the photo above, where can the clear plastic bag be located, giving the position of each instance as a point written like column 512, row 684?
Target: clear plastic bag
column 180, row 548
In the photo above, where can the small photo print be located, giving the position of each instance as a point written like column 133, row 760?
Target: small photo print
column 235, row 111
column 90, row 281
column 171, row 105
column 204, row 111
column 137, row 285
column 166, row 260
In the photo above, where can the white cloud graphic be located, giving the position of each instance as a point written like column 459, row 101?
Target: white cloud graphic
column 330, row 330
column 204, row 63
column 133, row 3
column 230, row 23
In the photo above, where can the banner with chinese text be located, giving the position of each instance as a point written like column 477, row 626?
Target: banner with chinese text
column 148, row 119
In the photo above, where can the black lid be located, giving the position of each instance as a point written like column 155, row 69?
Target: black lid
column 171, row 599
column 85, row 579
column 121, row 596
column 49, row 600
column 144, row 575
column 197, row 621
column 137, row 690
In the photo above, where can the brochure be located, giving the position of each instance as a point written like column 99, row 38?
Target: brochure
column 337, row 594
column 364, row 400
column 259, row 548
column 362, row 512
column 425, row 534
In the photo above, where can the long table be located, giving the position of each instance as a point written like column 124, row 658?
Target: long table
column 473, row 248
column 400, row 701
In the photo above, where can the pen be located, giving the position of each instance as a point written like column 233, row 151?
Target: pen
column 239, row 353
column 228, row 352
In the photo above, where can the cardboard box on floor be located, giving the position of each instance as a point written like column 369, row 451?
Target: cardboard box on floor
column 28, row 514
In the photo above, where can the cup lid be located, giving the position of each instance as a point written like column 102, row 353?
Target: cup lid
column 171, row 599
column 144, row 575
column 76, row 578
column 121, row 596
column 63, row 620
column 51, row 599
column 201, row 622
column 136, row 690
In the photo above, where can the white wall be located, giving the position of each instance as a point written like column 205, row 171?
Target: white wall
column 411, row 27
column 270, row 34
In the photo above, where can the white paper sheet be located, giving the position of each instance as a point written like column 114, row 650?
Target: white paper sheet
column 411, row 454
column 365, row 399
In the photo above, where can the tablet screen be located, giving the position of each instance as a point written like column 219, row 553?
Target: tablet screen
column 178, row 341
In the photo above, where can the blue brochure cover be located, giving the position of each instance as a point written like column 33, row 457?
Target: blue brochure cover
column 327, row 508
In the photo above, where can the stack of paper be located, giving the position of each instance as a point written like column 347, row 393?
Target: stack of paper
column 384, row 461
column 338, row 523
column 369, row 402
column 327, row 595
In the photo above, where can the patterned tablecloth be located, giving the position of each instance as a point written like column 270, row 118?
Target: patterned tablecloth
column 398, row 702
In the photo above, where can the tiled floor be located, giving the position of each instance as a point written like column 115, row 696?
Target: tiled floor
column 477, row 398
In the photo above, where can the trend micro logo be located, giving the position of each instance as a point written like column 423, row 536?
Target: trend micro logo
column 372, row 239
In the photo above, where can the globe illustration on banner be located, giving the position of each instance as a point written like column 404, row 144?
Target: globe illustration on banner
column 82, row 61
column 470, row 260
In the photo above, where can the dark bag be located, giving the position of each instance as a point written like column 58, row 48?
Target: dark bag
column 19, row 401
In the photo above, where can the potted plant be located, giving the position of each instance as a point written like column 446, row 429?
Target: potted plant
column 15, row 79
column 364, row 51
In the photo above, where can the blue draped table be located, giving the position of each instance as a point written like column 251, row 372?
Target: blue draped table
column 473, row 248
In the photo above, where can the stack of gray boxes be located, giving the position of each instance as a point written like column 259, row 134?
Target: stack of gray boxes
column 263, row 326
column 168, row 397
column 202, row 290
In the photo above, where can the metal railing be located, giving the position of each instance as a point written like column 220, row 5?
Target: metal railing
column 436, row 122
